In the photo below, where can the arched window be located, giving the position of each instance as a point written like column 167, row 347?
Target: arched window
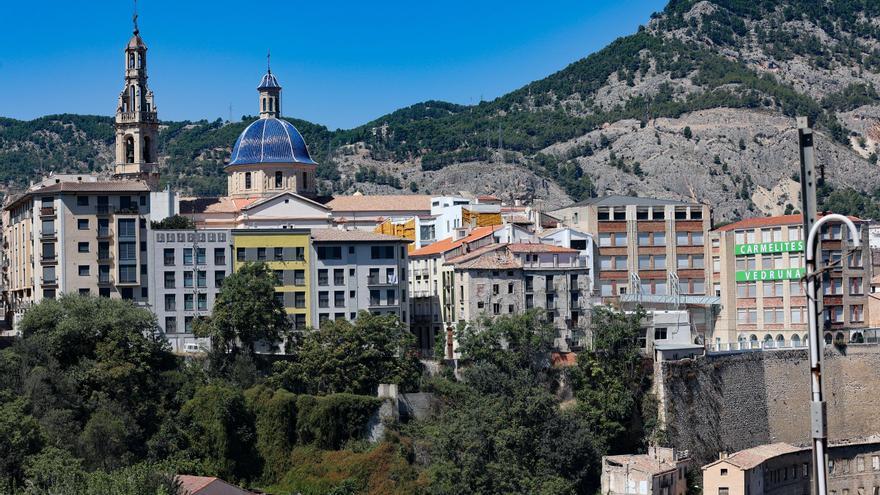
column 839, row 338
column 828, row 338
column 131, row 60
column 129, row 149
column 247, row 180
column 271, row 105
column 795, row 340
column 806, row 339
column 305, row 184
column 132, row 107
column 857, row 338
column 780, row 340
column 264, row 104
column 575, row 217
column 279, row 179
column 146, row 152
column 768, row 340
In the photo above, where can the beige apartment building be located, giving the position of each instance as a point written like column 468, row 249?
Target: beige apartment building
column 784, row 469
column 757, row 267
column 83, row 236
column 662, row 471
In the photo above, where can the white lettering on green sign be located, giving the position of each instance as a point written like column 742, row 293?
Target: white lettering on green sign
column 766, row 275
column 768, row 248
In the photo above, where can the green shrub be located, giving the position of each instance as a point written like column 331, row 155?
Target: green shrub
column 275, row 420
column 330, row 421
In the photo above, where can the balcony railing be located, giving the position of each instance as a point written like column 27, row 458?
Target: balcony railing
column 48, row 258
column 103, row 210
column 137, row 117
column 104, row 232
column 47, row 211
column 48, row 234
column 49, row 281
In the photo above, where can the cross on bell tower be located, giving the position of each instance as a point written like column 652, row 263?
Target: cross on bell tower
column 137, row 124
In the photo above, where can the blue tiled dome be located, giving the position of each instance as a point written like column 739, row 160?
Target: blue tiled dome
column 270, row 141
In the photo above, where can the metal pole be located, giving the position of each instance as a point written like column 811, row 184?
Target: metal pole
column 818, row 413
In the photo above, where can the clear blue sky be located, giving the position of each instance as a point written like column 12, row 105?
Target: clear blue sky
column 341, row 63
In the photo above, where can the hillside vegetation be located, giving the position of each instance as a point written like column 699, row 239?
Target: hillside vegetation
column 734, row 73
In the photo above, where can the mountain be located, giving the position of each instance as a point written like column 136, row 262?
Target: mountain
column 698, row 104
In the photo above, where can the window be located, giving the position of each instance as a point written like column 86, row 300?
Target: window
column 188, row 279
column 219, row 277
column 391, row 297
column 855, row 260
column 856, row 286
column 170, row 324
column 219, row 256
column 247, row 180
column 856, row 313
column 329, row 253
column 127, row 273
column 299, row 277
column 774, row 315
column 620, row 262
column 82, row 247
column 723, row 471
column 746, row 263
column 201, row 256
column 170, row 302
column 833, row 287
column 127, row 227
column 203, row 302
column 82, row 201
column 82, row 224
column 875, row 463
column 747, row 315
column 798, row 314
column 239, row 254
column 84, row 270
column 278, row 253
column 338, row 276
column 620, row 239
column 202, row 278
column 795, row 288
column 747, row 289
column 279, row 179
column 660, row 333
column 299, row 300
column 659, row 237
column 382, row 252
column 187, row 256
column 261, row 254
column 604, row 239
column 682, row 239
column 682, row 261
column 188, row 302
column 170, row 280
column 723, row 490
column 644, row 239
column 773, row 289
column 339, row 298
column 168, row 256
column 323, row 277
column 834, row 314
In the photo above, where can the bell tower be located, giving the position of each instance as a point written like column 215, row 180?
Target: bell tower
column 270, row 93
column 137, row 125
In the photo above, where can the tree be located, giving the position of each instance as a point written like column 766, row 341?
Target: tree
column 20, row 437
column 355, row 358
column 610, row 378
column 246, row 312
column 174, row 222
column 688, row 133
column 219, row 430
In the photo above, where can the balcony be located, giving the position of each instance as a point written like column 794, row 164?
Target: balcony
column 126, row 117
column 49, row 281
column 550, row 305
column 47, row 211
column 128, row 210
column 104, row 232
column 105, row 257
column 48, row 259
column 103, row 210
column 380, row 280
column 48, row 235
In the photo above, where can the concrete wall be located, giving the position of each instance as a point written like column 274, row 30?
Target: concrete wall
column 733, row 402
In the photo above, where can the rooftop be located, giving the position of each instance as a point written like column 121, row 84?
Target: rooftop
column 444, row 245
column 398, row 202
column 85, row 187
column 753, row 457
column 207, row 485
column 270, row 140
column 356, row 235
column 641, row 462
column 620, row 200
column 526, row 247
column 777, row 221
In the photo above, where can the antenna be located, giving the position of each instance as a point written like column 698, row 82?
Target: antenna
column 268, row 60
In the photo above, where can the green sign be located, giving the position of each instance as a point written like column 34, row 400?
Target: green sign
column 767, row 275
column 768, row 248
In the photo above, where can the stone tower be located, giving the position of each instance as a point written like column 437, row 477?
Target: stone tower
column 137, row 125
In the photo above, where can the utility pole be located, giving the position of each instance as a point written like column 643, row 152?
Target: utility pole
column 818, row 413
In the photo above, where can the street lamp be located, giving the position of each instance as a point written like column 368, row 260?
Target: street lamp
column 818, row 423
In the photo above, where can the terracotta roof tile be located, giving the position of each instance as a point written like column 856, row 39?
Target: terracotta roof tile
column 642, row 462
column 399, row 202
column 446, row 244
column 757, row 222
column 750, row 458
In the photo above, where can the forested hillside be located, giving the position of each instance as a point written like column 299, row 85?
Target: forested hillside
column 706, row 92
